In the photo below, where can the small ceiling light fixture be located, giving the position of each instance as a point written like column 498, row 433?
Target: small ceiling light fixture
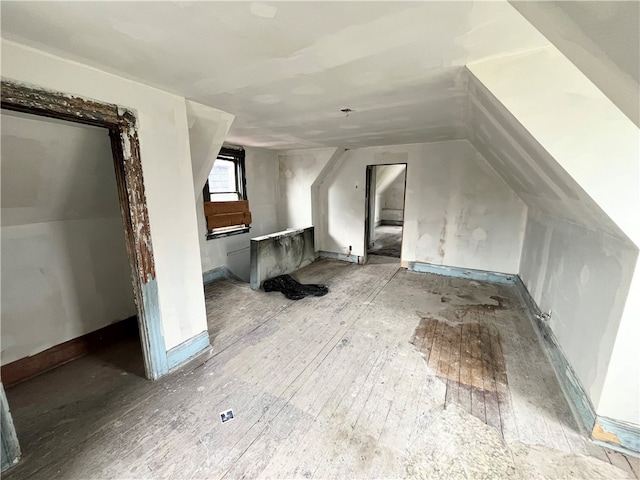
column 346, row 111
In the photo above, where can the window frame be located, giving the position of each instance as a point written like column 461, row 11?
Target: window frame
column 237, row 156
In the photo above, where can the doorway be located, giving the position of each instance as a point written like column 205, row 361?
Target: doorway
column 386, row 185
column 120, row 126
column 63, row 242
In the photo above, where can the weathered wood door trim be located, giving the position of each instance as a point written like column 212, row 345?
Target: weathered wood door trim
column 122, row 127
column 10, row 446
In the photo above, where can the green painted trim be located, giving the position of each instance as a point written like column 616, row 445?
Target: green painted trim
column 187, row 350
column 627, row 433
column 154, row 336
column 574, row 392
column 343, row 257
column 219, row 273
column 10, row 446
column 458, row 272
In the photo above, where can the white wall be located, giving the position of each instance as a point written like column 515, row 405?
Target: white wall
column 208, row 128
column 574, row 157
column 389, row 194
column 458, row 211
column 65, row 270
column 600, row 38
column 261, row 168
column 166, row 167
column 298, row 169
column 583, row 277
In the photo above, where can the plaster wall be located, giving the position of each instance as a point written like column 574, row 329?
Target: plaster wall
column 581, row 187
column 298, row 169
column 207, row 130
column 583, row 277
column 458, row 211
column 389, row 204
column 261, row 170
column 601, row 38
column 600, row 150
column 65, row 269
column 166, row 165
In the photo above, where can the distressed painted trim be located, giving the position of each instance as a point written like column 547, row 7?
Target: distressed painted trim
column 617, row 435
column 219, row 273
column 610, row 433
column 122, row 126
column 480, row 275
column 575, row 393
column 10, row 446
column 187, row 350
column 32, row 99
column 152, row 337
column 343, row 257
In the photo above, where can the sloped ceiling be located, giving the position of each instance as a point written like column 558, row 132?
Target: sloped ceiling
column 54, row 170
column 601, row 38
column 286, row 69
column 531, row 172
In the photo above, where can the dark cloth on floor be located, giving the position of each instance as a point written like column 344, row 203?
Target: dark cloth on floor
column 292, row 289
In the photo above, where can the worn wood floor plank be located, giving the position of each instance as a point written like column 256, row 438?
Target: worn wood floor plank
column 341, row 386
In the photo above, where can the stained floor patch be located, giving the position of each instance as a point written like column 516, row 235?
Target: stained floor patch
column 444, row 451
column 469, row 358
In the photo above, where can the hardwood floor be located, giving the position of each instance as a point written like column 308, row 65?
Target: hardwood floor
column 374, row 380
column 387, row 241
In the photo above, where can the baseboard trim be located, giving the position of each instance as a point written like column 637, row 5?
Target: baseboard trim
column 573, row 390
column 459, row 272
column 392, row 223
column 614, row 434
column 57, row 355
column 219, row 273
column 604, row 431
column 188, row 349
column 343, row 257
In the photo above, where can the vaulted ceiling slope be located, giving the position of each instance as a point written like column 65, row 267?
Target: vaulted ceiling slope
column 601, row 38
column 286, row 69
column 531, row 172
column 54, row 170
column 578, row 155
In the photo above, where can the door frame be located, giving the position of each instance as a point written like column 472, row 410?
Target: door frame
column 122, row 126
column 368, row 204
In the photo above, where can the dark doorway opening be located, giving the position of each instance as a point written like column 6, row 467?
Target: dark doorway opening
column 386, row 185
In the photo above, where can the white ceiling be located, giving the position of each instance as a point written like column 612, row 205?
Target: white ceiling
column 601, row 38
column 285, row 69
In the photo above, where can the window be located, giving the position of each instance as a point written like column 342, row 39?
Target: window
column 225, row 196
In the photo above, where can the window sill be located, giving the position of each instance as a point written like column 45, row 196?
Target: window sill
column 228, row 232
